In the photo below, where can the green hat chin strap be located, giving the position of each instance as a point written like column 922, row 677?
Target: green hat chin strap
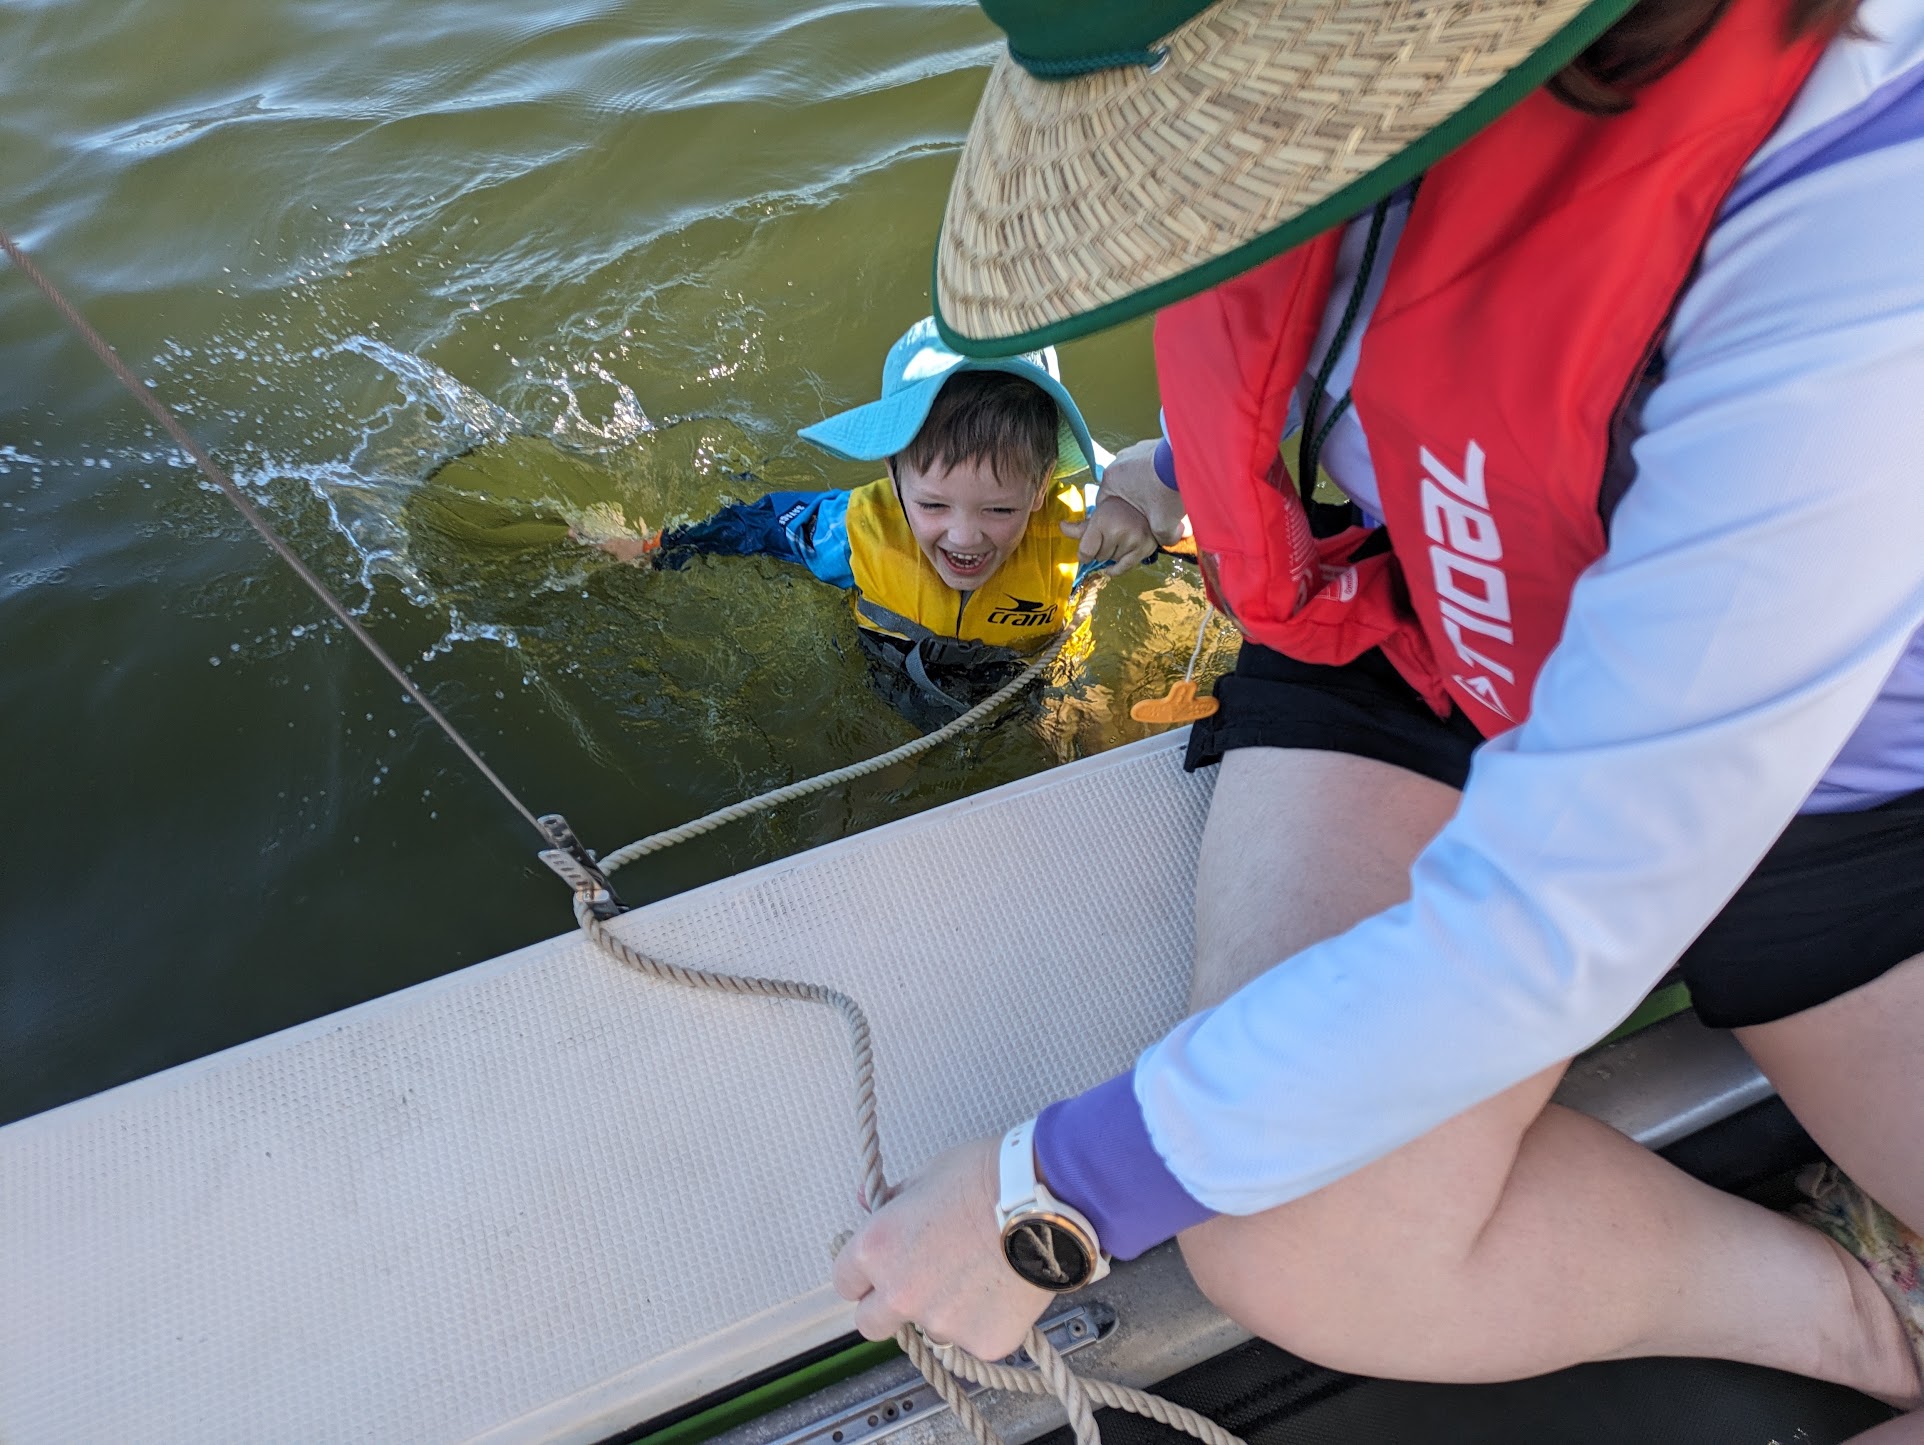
column 1060, row 39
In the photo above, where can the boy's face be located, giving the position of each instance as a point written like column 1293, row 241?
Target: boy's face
column 966, row 521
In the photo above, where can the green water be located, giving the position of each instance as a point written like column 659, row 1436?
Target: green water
column 635, row 245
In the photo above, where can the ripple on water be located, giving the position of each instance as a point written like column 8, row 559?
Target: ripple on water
column 440, row 282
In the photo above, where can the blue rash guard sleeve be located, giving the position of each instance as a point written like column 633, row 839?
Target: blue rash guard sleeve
column 807, row 528
column 1165, row 464
column 1086, row 1142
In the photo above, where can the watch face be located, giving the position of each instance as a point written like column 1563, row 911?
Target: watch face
column 1048, row 1251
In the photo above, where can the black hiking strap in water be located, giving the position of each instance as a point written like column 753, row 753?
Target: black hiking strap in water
column 916, row 666
column 886, row 619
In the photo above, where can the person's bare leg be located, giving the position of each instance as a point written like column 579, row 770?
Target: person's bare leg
column 1852, row 1071
column 1904, row 1430
column 1514, row 1238
column 1299, row 846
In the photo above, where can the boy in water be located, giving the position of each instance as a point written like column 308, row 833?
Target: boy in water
column 960, row 560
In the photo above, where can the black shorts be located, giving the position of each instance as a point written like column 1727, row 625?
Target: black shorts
column 1836, row 902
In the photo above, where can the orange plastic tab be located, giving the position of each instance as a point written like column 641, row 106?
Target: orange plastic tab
column 1181, row 706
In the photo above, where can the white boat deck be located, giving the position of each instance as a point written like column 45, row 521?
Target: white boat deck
column 544, row 1199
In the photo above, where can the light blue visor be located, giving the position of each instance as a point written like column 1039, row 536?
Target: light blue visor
column 917, row 366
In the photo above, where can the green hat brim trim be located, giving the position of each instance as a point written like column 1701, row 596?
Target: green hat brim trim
column 1333, row 210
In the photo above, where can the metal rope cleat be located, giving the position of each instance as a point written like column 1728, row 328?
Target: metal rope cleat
column 577, row 868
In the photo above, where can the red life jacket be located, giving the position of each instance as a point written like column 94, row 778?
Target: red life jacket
column 1532, row 283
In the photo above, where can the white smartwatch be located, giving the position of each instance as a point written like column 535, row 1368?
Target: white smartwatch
column 1048, row 1243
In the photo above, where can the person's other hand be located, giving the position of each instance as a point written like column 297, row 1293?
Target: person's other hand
column 1132, row 477
column 1116, row 532
column 932, row 1257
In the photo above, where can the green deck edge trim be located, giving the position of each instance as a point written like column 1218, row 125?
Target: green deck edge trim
column 1665, row 1003
column 751, row 1404
column 1564, row 46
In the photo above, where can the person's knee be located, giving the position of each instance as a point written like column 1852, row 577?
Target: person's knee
column 1382, row 1267
column 1241, row 1269
column 1368, row 1311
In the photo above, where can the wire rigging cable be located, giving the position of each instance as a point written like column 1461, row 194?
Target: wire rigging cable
column 942, row 1365
column 213, row 472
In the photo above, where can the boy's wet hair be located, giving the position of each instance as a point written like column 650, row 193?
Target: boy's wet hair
column 993, row 417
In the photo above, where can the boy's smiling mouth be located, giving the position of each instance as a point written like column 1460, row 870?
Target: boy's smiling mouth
column 966, row 564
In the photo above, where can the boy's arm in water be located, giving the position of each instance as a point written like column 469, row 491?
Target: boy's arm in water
column 807, row 528
column 1136, row 512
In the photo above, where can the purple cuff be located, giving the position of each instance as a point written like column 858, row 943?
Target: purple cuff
column 1095, row 1152
column 1166, row 464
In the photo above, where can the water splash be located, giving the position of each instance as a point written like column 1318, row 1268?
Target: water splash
column 626, row 420
column 467, row 629
column 429, row 390
column 365, row 495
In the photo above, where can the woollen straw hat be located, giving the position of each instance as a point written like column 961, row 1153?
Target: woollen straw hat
column 914, row 371
column 1129, row 153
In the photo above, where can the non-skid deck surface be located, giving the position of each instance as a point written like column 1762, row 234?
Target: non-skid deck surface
column 543, row 1198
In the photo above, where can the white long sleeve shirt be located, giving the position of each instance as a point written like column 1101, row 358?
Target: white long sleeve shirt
column 1764, row 579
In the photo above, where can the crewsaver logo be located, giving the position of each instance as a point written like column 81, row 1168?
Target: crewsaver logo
column 1020, row 612
column 1472, row 591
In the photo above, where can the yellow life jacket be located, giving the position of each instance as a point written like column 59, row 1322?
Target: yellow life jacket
column 1023, row 604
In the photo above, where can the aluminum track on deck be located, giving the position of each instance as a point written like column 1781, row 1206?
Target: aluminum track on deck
column 542, row 1198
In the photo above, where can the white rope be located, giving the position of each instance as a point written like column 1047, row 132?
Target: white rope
column 668, row 837
column 1105, row 1393
column 1063, row 1382
column 941, row 1365
column 1202, row 631
column 945, row 1367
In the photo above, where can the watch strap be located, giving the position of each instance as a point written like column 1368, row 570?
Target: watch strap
column 1015, row 1164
